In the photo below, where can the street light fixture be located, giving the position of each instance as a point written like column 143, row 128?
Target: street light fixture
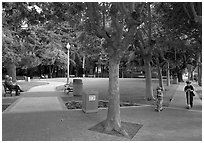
column 68, row 48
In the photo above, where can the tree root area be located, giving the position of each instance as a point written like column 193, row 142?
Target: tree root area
column 130, row 128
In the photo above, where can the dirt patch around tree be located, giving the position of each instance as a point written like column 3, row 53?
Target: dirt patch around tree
column 101, row 104
column 130, row 128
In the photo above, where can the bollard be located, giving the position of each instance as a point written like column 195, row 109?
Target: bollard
column 90, row 101
column 77, row 87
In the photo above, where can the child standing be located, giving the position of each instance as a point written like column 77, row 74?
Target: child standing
column 189, row 94
column 159, row 106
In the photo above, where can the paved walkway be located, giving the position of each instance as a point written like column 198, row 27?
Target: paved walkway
column 179, row 99
column 46, row 88
column 41, row 116
column 39, row 99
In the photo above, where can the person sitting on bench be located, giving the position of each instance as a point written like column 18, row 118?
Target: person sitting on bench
column 10, row 85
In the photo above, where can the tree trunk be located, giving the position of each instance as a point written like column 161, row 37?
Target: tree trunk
column 51, row 70
column 57, row 72
column 113, row 121
column 200, row 75
column 39, row 71
column 167, row 75
column 200, row 70
column 179, row 75
column 191, row 75
column 11, row 70
column 149, row 90
column 160, row 77
column 190, row 72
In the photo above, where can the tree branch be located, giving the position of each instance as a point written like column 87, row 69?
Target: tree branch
column 140, row 38
column 122, row 8
column 196, row 17
column 184, row 6
column 94, row 19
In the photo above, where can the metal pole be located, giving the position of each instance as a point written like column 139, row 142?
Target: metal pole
column 83, row 65
column 167, row 75
column 68, row 47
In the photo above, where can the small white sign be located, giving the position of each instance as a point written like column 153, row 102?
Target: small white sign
column 92, row 97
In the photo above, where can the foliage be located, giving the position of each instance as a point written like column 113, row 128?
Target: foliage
column 10, row 47
column 179, row 18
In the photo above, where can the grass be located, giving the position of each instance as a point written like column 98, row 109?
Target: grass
column 199, row 92
column 27, row 85
column 131, row 90
column 4, row 107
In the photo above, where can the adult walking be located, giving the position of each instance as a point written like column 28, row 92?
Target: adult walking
column 189, row 89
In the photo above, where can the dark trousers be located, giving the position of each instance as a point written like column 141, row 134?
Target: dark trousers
column 189, row 99
column 16, row 88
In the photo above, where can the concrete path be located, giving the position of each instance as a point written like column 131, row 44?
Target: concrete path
column 46, row 88
column 179, row 99
column 41, row 116
column 73, row 125
column 39, row 101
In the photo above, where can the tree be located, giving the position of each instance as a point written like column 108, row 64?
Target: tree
column 159, row 62
column 116, row 23
column 90, row 49
column 10, row 52
column 182, row 19
column 14, row 16
column 145, row 43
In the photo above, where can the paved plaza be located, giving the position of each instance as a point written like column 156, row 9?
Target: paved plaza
column 40, row 114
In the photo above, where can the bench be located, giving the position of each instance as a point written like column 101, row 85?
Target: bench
column 7, row 90
column 91, row 76
column 36, row 77
column 71, row 76
column 68, row 88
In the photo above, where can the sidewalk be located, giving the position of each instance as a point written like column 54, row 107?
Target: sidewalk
column 179, row 99
column 38, row 99
column 59, row 124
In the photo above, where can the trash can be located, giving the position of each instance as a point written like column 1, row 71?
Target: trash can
column 175, row 79
column 77, row 87
column 90, row 101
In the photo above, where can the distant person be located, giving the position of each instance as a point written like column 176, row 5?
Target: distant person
column 10, row 85
column 189, row 94
column 42, row 76
column 159, row 97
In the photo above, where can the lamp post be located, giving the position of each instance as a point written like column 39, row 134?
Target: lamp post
column 68, row 47
column 83, row 65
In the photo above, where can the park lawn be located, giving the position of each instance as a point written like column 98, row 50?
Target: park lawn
column 27, row 85
column 199, row 92
column 131, row 90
